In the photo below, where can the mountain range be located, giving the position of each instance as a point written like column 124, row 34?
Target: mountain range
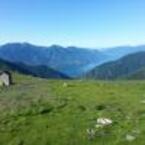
column 71, row 62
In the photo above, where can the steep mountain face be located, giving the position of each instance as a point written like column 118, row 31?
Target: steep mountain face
column 39, row 71
column 123, row 67
column 71, row 61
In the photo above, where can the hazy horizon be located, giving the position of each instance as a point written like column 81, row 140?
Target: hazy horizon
column 83, row 47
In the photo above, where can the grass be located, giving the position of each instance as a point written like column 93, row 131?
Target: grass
column 46, row 112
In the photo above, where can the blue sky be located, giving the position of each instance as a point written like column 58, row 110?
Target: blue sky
column 86, row 23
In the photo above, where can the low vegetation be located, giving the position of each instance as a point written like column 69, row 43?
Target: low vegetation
column 46, row 112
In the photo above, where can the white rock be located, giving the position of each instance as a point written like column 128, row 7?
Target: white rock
column 104, row 121
column 130, row 137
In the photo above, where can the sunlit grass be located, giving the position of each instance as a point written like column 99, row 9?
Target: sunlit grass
column 47, row 112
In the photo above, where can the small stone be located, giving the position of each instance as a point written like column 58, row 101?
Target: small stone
column 130, row 137
column 104, row 121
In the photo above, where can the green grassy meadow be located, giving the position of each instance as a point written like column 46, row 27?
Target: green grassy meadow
column 35, row 111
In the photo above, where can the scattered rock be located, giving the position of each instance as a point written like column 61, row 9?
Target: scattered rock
column 104, row 121
column 99, row 128
column 130, row 137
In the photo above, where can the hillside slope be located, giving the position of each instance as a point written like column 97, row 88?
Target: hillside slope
column 122, row 67
column 138, row 75
column 39, row 71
